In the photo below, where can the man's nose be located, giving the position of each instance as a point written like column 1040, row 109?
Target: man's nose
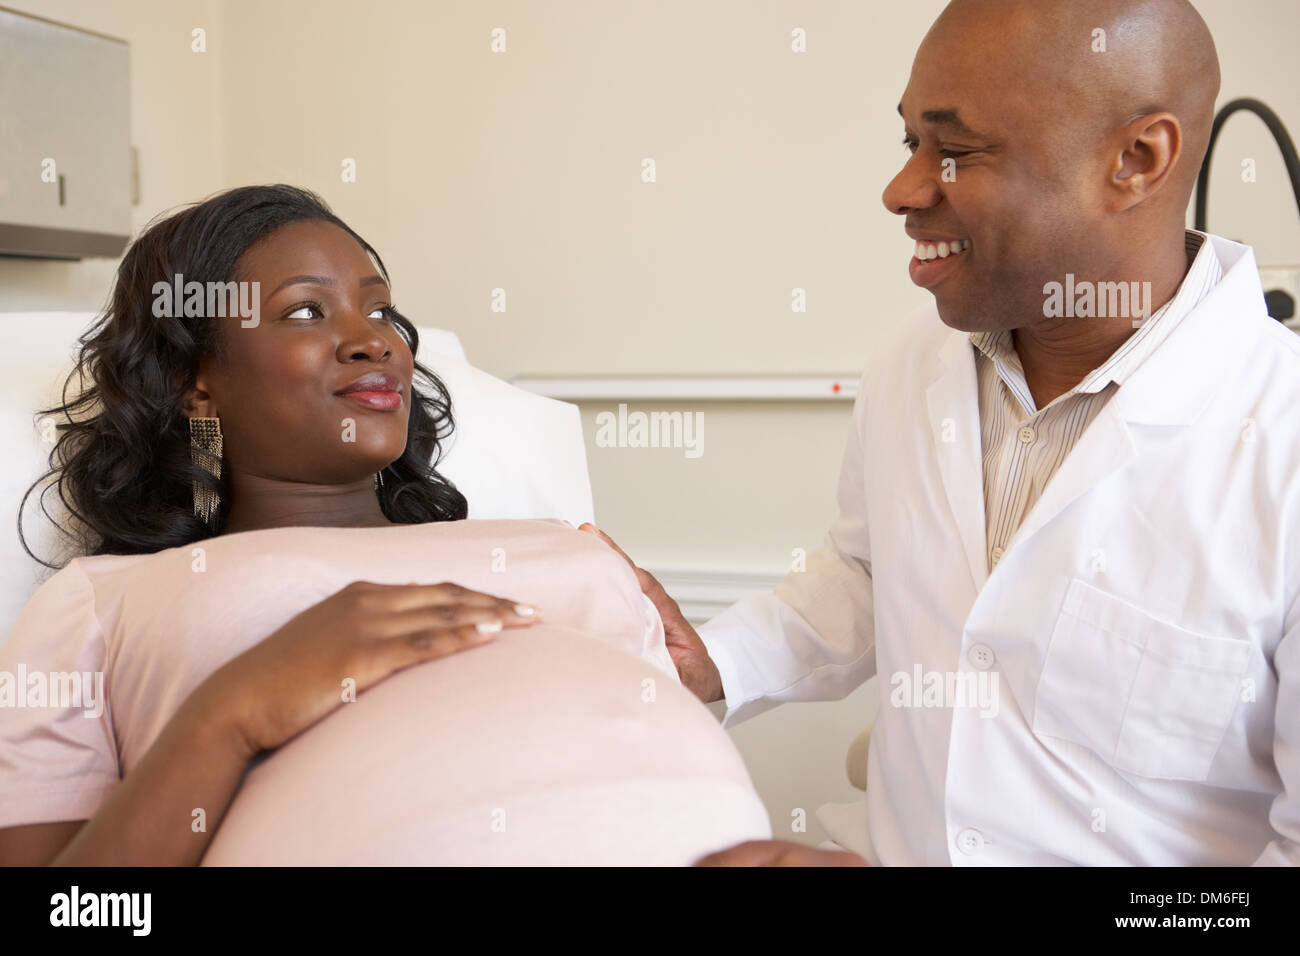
column 913, row 188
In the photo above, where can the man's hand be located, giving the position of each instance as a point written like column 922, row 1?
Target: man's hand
column 694, row 666
column 779, row 853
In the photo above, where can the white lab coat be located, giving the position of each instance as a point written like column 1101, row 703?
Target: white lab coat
column 1143, row 624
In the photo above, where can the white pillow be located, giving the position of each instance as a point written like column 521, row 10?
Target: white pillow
column 514, row 454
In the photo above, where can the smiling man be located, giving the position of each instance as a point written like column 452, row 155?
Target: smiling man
column 1100, row 507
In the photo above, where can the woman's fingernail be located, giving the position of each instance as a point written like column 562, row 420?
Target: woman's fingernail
column 525, row 610
column 488, row 627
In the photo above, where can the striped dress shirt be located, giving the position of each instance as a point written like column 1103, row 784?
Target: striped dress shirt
column 1024, row 446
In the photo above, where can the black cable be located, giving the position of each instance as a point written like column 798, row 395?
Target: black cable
column 1280, row 135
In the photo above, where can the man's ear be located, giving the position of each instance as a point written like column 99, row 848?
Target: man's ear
column 1150, row 149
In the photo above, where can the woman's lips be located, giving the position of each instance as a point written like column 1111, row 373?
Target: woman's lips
column 385, row 400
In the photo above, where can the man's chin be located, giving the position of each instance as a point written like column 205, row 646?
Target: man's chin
column 965, row 319
column 956, row 317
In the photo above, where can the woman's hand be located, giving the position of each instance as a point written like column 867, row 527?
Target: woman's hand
column 696, row 669
column 362, row 634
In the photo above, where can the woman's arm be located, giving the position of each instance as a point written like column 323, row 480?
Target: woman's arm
column 197, row 761
column 36, row 844
column 149, row 819
column 256, row 702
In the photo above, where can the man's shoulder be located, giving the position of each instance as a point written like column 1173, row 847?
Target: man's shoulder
column 1266, row 373
column 1284, row 344
column 908, row 350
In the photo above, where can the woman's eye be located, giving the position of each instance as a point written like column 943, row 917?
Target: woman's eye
column 298, row 313
column 313, row 310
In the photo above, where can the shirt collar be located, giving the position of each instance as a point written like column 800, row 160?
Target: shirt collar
column 1204, row 273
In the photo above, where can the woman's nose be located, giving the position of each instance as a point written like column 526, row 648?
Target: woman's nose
column 363, row 339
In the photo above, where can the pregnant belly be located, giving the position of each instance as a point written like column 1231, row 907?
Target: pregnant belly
column 544, row 747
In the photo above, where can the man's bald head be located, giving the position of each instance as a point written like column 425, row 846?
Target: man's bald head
column 1059, row 136
column 1151, row 56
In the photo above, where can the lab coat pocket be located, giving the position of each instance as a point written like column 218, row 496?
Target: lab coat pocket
column 1151, row 698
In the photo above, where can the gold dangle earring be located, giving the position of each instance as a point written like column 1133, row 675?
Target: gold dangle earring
column 205, row 451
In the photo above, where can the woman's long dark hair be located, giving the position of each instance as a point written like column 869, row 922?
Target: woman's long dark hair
column 122, row 458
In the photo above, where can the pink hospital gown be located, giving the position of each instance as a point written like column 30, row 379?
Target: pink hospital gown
column 569, row 742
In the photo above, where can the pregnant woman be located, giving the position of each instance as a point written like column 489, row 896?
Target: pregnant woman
column 303, row 651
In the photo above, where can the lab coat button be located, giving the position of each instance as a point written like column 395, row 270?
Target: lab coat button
column 1027, row 434
column 980, row 656
column 970, row 841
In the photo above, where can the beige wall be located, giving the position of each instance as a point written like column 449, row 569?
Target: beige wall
column 522, row 171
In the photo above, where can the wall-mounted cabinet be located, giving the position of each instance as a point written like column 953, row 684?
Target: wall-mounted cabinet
column 65, row 140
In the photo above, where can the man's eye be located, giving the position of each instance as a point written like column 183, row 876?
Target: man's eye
column 912, row 144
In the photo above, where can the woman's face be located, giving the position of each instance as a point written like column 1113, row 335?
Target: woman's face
column 279, row 387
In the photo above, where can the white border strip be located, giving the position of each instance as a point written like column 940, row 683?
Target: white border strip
column 780, row 388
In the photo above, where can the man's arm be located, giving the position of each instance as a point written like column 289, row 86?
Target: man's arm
column 1285, row 812
column 813, row 638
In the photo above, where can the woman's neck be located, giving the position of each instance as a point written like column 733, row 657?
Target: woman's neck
column 271, row 503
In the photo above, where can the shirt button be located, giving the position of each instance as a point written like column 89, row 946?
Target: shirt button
column 997, row 555
column 970, row 841
column 1027, row 435
column 980, row 656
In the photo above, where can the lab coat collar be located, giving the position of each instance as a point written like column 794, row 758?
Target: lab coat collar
column 1172, row 387
column 1180, row 379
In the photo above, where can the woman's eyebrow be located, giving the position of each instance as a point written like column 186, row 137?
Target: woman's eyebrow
column 325, row 281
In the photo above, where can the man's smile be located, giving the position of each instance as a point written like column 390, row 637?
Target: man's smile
column 932, row 262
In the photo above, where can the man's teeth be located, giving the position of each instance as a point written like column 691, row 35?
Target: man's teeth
column 926, row 251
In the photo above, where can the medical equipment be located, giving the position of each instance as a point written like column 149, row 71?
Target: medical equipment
column 1281, row 303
